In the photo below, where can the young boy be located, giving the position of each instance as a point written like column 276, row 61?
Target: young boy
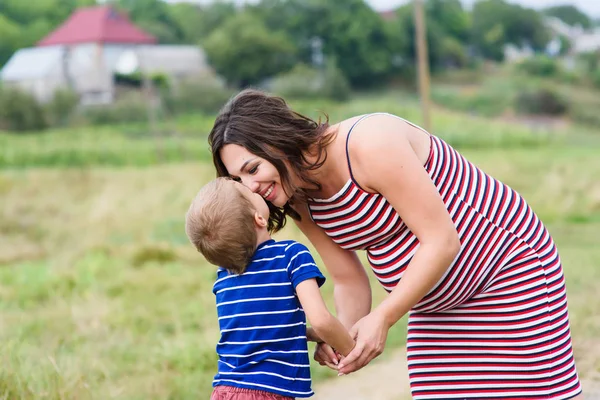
column 264, row 290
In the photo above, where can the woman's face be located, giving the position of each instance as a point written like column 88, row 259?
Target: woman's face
column 257, row 174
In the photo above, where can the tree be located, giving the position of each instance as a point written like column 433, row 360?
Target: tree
column 347, row 30
column 245, row 52
column 22, row 24
column 570, row 15
column 497, row 23
column 154, row 17
column 10, row 34
column 448, row 28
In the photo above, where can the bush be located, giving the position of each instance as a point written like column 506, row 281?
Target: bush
column 206, row 95
column 586, row 116
column 20, row 111
column 540, row 66
column 336, row 86
column 129, row 108
column 484, row 102
column 542, row 101
column 595, row 77
column 62, row 106
column 304, row 82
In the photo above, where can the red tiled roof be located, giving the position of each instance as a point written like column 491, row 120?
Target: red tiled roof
column 97, row 24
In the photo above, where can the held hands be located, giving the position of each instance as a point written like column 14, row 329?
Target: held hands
column 325, row 355
column 370, row 334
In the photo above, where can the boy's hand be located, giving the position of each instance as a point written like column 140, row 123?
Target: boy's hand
column 325, row 355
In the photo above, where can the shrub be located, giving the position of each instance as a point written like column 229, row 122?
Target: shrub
column 540, row 66
column 201, row 94
column 542, row 101
column 20, row 111
column 595, row 77
column 336, row 86
column 129, row 108
column 304, row 82
column 62, row 106
column 485, row 102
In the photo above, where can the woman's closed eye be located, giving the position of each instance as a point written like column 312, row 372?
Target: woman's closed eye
column 253, row 170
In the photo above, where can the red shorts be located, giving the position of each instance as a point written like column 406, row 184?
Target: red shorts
column 235, row 393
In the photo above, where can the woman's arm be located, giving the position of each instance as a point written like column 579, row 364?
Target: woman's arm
column 352, row 291
column 383, row 161
column 351, row 288
column 326, row 327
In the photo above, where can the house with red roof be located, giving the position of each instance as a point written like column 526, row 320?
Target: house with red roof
column 89, row 48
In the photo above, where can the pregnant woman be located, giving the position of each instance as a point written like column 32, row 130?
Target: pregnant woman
column 462, row 253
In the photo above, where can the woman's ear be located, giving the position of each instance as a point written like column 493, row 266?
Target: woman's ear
column 259, row 220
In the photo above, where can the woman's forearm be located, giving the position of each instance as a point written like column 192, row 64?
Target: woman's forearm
column 427, row 267
column 352, row 300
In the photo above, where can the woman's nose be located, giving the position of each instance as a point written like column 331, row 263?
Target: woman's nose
column 251, row 184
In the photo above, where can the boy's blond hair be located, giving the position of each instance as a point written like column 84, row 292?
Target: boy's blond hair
column 220, row 223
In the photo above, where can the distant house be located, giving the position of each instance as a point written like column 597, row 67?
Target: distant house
column 582, row 41
column 86, row 51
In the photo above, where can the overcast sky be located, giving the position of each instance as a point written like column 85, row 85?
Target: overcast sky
column 590, row 7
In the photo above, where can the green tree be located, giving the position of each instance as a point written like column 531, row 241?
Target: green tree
column 448, row 28
column 347, row 30
column 22, row 24
column 198, row 22
column 154, row 17
column 245, row 52
column 10, row 33
column 570, row 14
column 497, row 23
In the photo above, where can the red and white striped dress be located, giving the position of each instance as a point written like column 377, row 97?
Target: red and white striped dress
column 496, row 325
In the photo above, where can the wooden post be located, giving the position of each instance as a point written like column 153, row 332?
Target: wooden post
column 423, row 62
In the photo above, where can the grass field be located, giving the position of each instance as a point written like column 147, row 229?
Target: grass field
column 102, row 297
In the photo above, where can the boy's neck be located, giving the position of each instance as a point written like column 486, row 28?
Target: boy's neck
column 262, row 235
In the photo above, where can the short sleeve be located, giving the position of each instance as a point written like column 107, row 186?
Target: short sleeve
column 302, row 265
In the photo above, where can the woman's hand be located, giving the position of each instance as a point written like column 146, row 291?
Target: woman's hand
column 325, row 355
column 370, row 334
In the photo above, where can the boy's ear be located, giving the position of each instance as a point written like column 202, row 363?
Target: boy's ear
column 259, row 220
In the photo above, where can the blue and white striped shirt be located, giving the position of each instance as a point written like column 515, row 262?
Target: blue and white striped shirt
column 263, row 327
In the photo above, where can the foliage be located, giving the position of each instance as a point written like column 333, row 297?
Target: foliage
column 304, row 82
column 184, row 138
column 447, row 26
column 203, row 94
column 62, row 107
column 22, row 24
column 570, row 15
column 244, row 51
column 482, row 102
column 350, row 32
column 154, row 17
column 544, row 101
column 497, row 23
column 540, row 65
column 20, row 111
column 128, row 108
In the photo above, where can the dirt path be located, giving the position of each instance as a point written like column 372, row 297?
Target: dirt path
column 382, row 380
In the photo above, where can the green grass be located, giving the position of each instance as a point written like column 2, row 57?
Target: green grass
column 101, row 296
column 184, row 139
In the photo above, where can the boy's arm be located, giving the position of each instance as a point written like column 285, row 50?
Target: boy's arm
column 326, row 327
column 312, row 336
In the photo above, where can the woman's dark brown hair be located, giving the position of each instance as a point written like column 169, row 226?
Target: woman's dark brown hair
column 267, row 127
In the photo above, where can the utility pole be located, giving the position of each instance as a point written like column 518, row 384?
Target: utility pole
column 423, row 62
